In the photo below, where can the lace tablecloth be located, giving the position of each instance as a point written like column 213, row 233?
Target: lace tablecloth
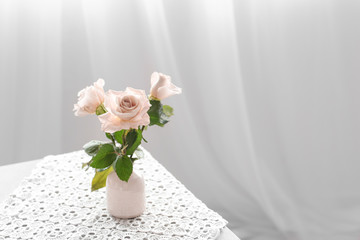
column 55, row 202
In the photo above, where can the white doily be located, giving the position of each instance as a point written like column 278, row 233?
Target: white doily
column 55, row 202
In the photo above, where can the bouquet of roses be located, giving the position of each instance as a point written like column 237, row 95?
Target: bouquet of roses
column 124, row 116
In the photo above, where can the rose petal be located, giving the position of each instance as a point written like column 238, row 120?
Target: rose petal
column 154, row 78
column 168, row 91
column 121, row 115
column 161, row 86
column 79, row 112
column 109, row 122
column 89, row 99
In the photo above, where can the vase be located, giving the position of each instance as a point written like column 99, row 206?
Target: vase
column 125, row 199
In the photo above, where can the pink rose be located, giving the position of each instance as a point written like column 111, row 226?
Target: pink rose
column 90, row 98
column 127, row 109
column 161, row 86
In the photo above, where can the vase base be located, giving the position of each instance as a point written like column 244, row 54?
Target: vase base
column 125, row 216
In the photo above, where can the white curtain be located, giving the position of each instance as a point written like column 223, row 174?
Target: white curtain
column 266, row 131
column 31, row 79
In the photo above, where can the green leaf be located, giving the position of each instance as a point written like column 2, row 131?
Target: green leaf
column 109, row 136
column 92, row 147
column 99, row 180
column 105, row 156
column 119, row 136
column 156, row 113
column 133, row 140
column 123, row 167
column 168, row 111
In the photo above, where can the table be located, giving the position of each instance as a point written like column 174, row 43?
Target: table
column 13, row 174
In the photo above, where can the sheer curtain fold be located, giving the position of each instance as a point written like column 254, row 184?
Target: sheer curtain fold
column 30, row 73
column 266, row 131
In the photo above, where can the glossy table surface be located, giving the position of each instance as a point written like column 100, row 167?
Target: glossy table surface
column 11, row 175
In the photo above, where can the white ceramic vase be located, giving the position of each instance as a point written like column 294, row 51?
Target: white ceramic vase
column 125, row 199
